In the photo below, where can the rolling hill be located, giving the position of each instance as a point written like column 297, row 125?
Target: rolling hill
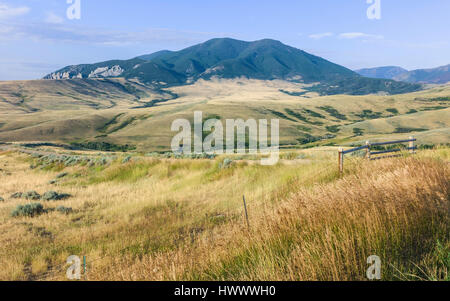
column 133, row 102
column 439, row 75
column 124, row 112
column 228, row 58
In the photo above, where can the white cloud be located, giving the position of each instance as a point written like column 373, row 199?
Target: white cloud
column 98, row 36
column 7, row 12
column 319, row 36
column 52, row 18
column 359, row 35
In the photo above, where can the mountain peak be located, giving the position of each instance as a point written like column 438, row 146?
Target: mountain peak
column 265, row 59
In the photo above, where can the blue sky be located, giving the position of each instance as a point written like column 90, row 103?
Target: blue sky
column 36, row 37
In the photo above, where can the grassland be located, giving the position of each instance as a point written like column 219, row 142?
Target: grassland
column 120, row 111
column 150, row 218
column 139, row 215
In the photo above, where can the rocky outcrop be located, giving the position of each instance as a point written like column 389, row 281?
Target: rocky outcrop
column 77, row 72
column 114, row 71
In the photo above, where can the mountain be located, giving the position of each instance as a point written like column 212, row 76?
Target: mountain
column 264, row 59
column 439, row 75
column 149, row 57
column 388, row 72
column 113, row 68
column 229, row 58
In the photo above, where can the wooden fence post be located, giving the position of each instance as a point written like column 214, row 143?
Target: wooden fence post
column 411, row 145
column 246, row 213
column 368, row 150
column 341, row 160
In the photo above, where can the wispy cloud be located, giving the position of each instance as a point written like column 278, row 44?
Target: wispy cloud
column 359, row 35
column 54, row 31
column 7, row 12
column 318, row 36
column 53, row 18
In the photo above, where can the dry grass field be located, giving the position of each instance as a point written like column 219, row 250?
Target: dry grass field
column 142, row 215
column 152, row 218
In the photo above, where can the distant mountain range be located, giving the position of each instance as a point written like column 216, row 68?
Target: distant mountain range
column 228, row 58
column 439, row 75
column 388, row 72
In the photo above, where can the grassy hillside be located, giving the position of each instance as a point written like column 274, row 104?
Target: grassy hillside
column 123, row 112
column 149, row 218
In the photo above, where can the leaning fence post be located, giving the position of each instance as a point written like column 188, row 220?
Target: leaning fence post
column 411, row 145
column 368, row 149
column 341, row 160
column 246, row 213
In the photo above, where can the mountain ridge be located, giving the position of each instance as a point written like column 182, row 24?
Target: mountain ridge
column 386, row 72
column 228, row 58
column 438, row 75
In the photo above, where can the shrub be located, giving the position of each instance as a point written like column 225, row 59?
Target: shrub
column 426, row 146
column 64, row 210
column 168, row 155
column 62, row 175
column 303, row 128
column 333, row 128
column 281, row 115
column 31, row 195
column 28, row 210
column 314, row 114
column 310, row 139
column 393, row 111
column 153, row 154
column 54, row 196
column 126, row 159
column 2, row 199
column 369, row 114
column 102, row 161
column 227, row 163
column 296, row 115
column 16, row 195
column 333, row 112
column 358, row 131
column 103, row 146
column 404, row 130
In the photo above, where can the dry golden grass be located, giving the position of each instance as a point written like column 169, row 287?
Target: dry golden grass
column 160, row 219
column 69, row 111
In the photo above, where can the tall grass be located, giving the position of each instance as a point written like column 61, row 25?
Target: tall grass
column 398, row 211
column 169, row 219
